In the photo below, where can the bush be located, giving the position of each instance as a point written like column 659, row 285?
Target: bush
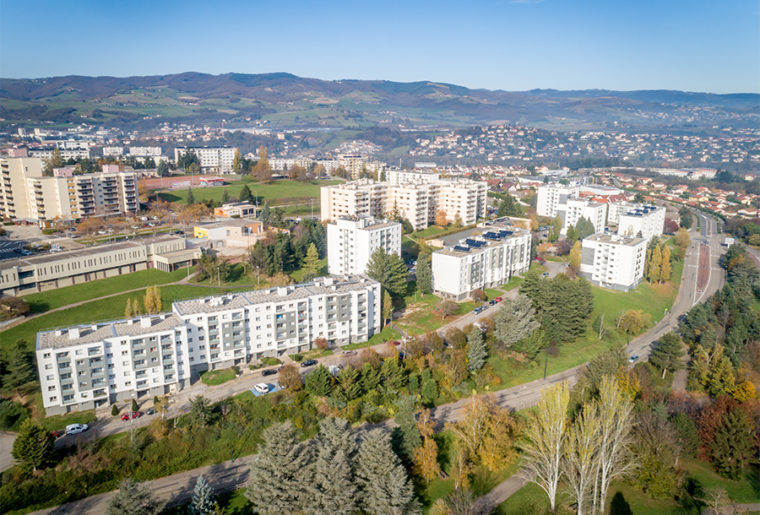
column 270, row 362
column 12, row 414
column 114, row 410
column 297, row 357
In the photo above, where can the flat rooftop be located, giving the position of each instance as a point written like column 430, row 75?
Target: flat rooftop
column 615, row 239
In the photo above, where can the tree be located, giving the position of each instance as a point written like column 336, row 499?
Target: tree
column 555, row 229
column 14, row 306
column 319, row 381
column 128, row 313
column 134, row 406
column 225, row 196
column 389, row 270
column 515, row 320
column 440, row 218
column 163, row 169
column 656, row 450
column 278, row 470
column 311, row 265
column 406, row 435
column 133, row 499
column 579, row 463
column 546, row 437
column 200, row 411
column 237, row 161
column 290, row 378
column 668, row 353
column 424, row 275
column 477, row 352
column 447, row 307
column 190, row 197
column 114, row 410
column 633, row 321
column 19, row 366
column 509, row 207
column 478, row 295
column 203, row 501
column 571, row 235
column 732, row 448
column 34, row 446
column 387, row 306
column 584, row 227
column 575, row 257
column 426, row 460
column 245, row 194
column 152, row 300
column 654, row 264
column 55, row 161
column 350, row 386
column 683, row 240
column 665, row 265
column 332, row 489
column 686, row 218
column 383, row 482
column 457, row 220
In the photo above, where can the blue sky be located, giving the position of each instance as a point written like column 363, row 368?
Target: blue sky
column 691, row 45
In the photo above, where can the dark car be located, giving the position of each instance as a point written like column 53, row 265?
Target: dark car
column 150, row 411
column 309, row 363
column 268, row 372
column 492, row 302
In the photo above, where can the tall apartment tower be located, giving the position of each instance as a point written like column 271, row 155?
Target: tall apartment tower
column 552, row 196
column 352, row 241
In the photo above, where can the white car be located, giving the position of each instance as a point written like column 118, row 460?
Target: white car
column 73, row 429
column 261, row 387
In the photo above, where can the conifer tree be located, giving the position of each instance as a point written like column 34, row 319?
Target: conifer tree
column 319, row 381
column 407, row 435
column 245, row 194
column 387, row 306
column 668, row 353
column 190, row 197
column 19, row 365
column 394, row 376
column 277, row 472
column 731, row 449
column 311, row 263
column 203, row 501
column 477, row 352
column 133, row 499
column 350, row 387
column 424, row 275
column 34, row 446
column 383, row 482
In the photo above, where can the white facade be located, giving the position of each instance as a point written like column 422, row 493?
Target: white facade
column 418, row 202
column 613, row 261
column 574, row 209
column 552, row 196
column 483, row 261
column 87, row 366
column 212, row 159
column 645, row 220
column 397, row 177
column 351, row 243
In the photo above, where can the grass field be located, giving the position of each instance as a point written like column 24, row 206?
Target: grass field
column 433, row 230
column 41, row 302
column 386, row 334
column 420, row 317
column 216, row 377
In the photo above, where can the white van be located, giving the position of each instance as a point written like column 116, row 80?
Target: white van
column 73, row 429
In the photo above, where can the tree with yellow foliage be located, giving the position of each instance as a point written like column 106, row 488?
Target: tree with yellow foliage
column 440, row 218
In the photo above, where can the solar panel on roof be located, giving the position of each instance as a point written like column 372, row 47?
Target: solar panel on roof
column 502, row 233
column 461, row 248
column 474, row 243
column 491, row 235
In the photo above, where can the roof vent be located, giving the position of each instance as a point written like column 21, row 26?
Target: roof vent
column 58, row 332
column 94, row 327
column 282, row 291
column 146, row 322
column 74, row 333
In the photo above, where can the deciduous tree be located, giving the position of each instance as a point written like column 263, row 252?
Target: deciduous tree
column 440, row 218
column 515, row 320
column 447, row 307
column 575, row 258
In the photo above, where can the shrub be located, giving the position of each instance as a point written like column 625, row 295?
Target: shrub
column 11, row 414
column 114, row 410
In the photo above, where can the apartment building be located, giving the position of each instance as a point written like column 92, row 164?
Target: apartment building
column 78, row 151
column 551, row 198
column 14, row 197
column 613, row 261
column 44, row 272
column 418, row 202
column 646, row 221
column 573, row 209
column 480, row 258
column 397, row 177
column 84, row 367
column 352, row 241
column 212, row 159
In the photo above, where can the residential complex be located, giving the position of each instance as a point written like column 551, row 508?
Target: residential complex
column 50, row 271
column 88, row 366
column 574, row 209
column 26, row 194
column 418, row 201
column 645, row 221
column 480, row 258
column 212, row 159
column 613, row 261
column 551, row 198
column 399, row 176
column 352, row 241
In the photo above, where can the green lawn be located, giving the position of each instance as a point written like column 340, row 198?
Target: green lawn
column 41, row 302
column 388, row 333
column 492, row 294
column 297, row 275
column 216, row 377
column 432, row 230
column 420, row 317
column 281, row 192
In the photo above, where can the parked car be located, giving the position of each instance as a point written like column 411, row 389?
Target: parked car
column 309, row 363
column 131, row 414
column 633, row 358
column 261, row 387
column 73, row 429
column 268, row 372
column 150, row 411
column 58, row 433
column 349, row 353
column 492, row 302
column 498, row 299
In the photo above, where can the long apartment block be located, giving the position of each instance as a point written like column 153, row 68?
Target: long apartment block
column 87, row 366
column 417, row 201
column 483, row 257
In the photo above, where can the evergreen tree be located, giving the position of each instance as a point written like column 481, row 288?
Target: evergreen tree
column 477, row 352
column 277, row 472
column 203, row 501
column 332, row 489
column 429, row 390
column 245, row 194
column 336, row 435
column 265, row 213
column 319, row 382
column 665, row 266
column 731, row 449
column 370, row 377
column 19, row 366
column 384, row 485
column 133, row 499
column 394, row 376
column 225, row 197
column 668, row 353
column 571, row 235
column 34, row 446
column 406, row 436
column 424, row 275
column 311, row 264
column 584, row 227
column 190, row 197
column 389, row 270
column 509, row 207
column 350, row 386
column 162, row 169
column 515, row 320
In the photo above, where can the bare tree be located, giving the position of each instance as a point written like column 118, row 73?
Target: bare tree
column 546, row 441
column 579, row 463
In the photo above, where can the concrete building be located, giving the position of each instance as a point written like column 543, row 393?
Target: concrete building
column 235, row 210
column 551, row 198
column 88, row 366
column 613, row 261
column 79, row 150
column 352, row 241
column 646, row 221
column 574, row 209
column 418, row 202
column 212, row 159
column 44, row 272
column 231, row 233
column 26, row 194
column 480, row 258
column 397, row 177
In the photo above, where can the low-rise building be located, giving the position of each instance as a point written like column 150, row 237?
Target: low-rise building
column 352, row 241
column 93, row 365
column 233, row 233
column 480, row 258
column 613, row 261
column 235, row 210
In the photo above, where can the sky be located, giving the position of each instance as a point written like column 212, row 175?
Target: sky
column 513, row 45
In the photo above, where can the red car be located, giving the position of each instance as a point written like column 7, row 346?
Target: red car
column 497, row 299
column 134, row 414
column 58, row 433
column 396, row 343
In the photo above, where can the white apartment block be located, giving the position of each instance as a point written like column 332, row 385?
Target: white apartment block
column 574, row 209
column 552, row 196
column 481, row 260
column 397, row 177
column 112, row 151
column 352, row 241
column 646, row 221
column 89, row 366
column 418, row 202
column 26, row 194
column 613, row 261
column 212, row 159
column 66, row 153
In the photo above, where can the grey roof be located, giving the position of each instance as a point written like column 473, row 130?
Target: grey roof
column 453, row 239
column 615, row 238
